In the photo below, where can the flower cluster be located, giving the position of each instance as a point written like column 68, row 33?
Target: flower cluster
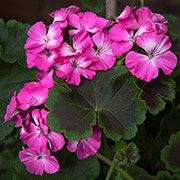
column 75, row 45
column 146, row 30
column 90, row 48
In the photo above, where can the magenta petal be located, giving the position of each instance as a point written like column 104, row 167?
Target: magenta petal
column 51, row 165
column 56, row 141
column 72, row 146
column 81, row 154
column 122, row 47
column 74, row 21
column 141, row 66
column 124, row 14
column 166, row 61
column 117, row 33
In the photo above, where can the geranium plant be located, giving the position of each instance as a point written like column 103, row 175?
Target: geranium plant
column 88, row 99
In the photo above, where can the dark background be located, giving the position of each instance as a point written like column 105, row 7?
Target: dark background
column 31, row 11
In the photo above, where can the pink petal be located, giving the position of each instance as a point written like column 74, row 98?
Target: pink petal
column 74, row 21
column 48, row 81
column 72, row 146
column 74, row 77
column 51, row 165
column 166, row 61
column 117, row 33
column 141, row 66
column 124, row 14
column 142, row 14
column 37, row 31
column 56, row 141
column 121, row 47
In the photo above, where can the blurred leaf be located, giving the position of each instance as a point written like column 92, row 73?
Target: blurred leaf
column 155, row 92
column 173, row 26
column 169, row 125
column 170, row 153
column 73, row 169
column 13, row 36
column 96, row 6
column 113, row 104
column 12, row 78
column 164, row 175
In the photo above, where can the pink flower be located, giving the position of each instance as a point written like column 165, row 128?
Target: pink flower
column 73, row 67
column 158, row 20
column 60, row 16
column 124, row 39
column 81, row 41
column 12, row 108
column 43, row 60
column 38, row 40
column 105, row 58
column 39, row 134
column 38, row 160
column 86, row 147
column 87, row 21
column 146, row 67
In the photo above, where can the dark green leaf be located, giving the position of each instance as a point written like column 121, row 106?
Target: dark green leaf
column 154, row 93
column 12, row 38
column 164, row 175
column 12, row 78
column 73, row 169
column 169, row 125
column 96, row 6
column 113, row 104
column 170, row 153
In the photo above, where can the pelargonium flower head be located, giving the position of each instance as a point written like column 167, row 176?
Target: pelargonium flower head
column 105, row 58
column 81, row 41
column 32, row 94
column 43, row 60
column 12, row 108
column 87, row 21
column 86, row 147
column 38, row 40
column 145, row 67
column 158, row 20
column 124, row 39
column 38, row 160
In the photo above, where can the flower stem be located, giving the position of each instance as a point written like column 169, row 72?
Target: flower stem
column 142, row 3
column 122, row 172
column 110, row 171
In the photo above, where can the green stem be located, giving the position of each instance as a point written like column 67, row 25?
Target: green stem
column 146, row 176
column 117, row 168
column 110, row 171
column 142, row 3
